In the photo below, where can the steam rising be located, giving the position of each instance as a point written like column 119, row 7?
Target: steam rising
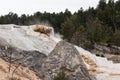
column 56, row 37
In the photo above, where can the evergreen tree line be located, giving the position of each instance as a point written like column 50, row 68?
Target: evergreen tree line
column 83, row 28
column 52, row 19
column 100, row 25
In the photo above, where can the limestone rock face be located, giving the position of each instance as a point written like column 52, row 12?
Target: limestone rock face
column 65, row 58
column 30, row 59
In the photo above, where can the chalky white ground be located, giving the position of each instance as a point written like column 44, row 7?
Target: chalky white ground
column 25, row 38
column 105, row 70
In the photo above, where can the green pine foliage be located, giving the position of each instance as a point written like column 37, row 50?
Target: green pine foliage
column 61, row 76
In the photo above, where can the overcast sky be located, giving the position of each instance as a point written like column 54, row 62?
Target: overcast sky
column 32, row 6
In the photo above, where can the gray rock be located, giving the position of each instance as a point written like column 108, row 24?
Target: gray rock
column 30, row 59
column 65, row 58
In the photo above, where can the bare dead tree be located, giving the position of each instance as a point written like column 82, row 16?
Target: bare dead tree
column 7, row 53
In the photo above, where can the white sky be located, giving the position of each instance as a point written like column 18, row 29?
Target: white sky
column 32, row 6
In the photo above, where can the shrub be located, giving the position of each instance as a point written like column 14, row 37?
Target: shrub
column 61, row 76
column 102, row 55
column 12, row 78
column 97, row 54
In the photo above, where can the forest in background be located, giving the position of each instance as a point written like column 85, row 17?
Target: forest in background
column 84, row 28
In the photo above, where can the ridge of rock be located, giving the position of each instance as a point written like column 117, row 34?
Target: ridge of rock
column 65, row 58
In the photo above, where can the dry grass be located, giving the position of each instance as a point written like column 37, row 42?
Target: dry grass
column 20, row 73
column 42, row 29
column 114, row 74
column 2, row 69
column 115, row 59
column 13, row 78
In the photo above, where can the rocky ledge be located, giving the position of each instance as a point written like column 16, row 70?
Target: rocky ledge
column 64, row 57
